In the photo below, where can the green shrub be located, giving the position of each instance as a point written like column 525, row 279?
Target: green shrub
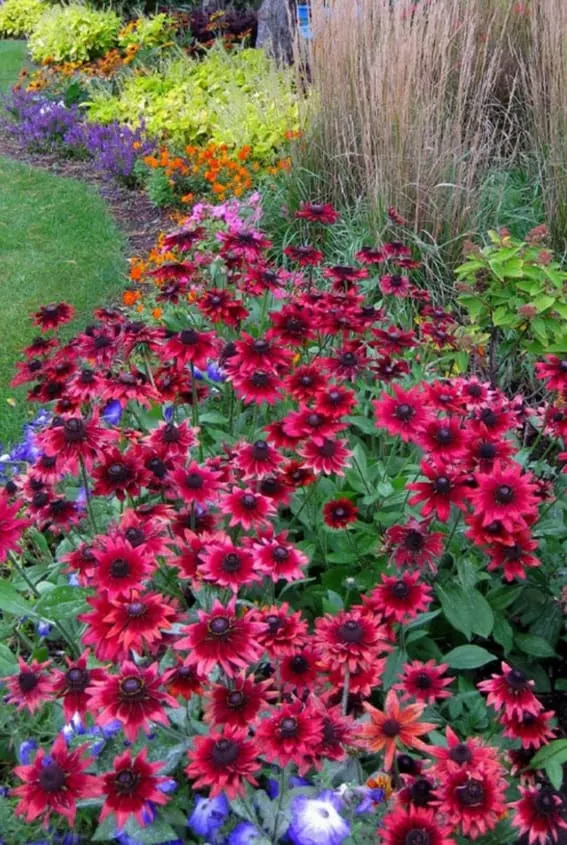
column 237, row 98
column 147, row 32
column 19, row 17
column 73, row 33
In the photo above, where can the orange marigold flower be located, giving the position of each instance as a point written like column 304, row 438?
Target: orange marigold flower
column 129, row 297
column 156, row 313
column 394, row 725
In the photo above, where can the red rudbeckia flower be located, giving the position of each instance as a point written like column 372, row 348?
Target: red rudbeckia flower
column 394, row 284
column 539, row 815
column 257, row 386
column 512, row 692
column 553, row 371
column 533, row 731
column 328, row 456
column 172, row 439
column 473, row 804
column 244, row 243
column 282, row 631
column 54, row 783
column 227, row 565
column 195, row 484
column 221, row 638
column 278, row 558
column 424, row 681
column 76, row 439
column 118, row 474
column 225, row 762
column 255, row 460
column 53, row 315
column 238, row 705
column 471, row 755
column 133, row 696
column 514, row 557
column 443, row 489
column 130, row 787
column 137, row 622
column 299, row 671
column 413, row 544
column 338, row 513
column 304, row 255
column 414, row 826
column 189, row 347
column 401, row 598
column 289, row 735
column 31, row 687
column 258, row 353
column 351, row 637
column 11, row 526
column 506, row 494
column 247, row 508
column 403, row 414
column 121, row 568
column 71, row 685
column 443, row 438
column 183, row 680
column 317, row 212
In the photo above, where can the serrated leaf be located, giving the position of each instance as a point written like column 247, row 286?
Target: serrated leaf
column 468, row 657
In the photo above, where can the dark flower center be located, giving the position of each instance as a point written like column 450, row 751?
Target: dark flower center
column 194, row 481
column 40, row 499
column 126, row 781
column 417, row 836
column 294, row 325
column 260, row 379
column 414, row 540
column 118, row 472
column 127, row 379
column 474, row 390
column 421, row 792
column 487, row 451
column 400, row 590
column 120, row 568
column 219, row 626
column 52, row 778
column 460, row 754
column 51, row 310
column 132, row 687
column 135, row 536
column 274, row 623
column 261, row 345
column 87, row 376
column 444, row 436
column 351, row 631
column 280, row 554
column 215, row 300
column 77, row 679
column 248, row 501
column 404, row 412
column 545, row 802
column 442, row 485
column 423, row 681
column 406, row 764
column 189, row 337
column 48, row 461
column 391, row 728
column 328, row 448
column 288, row 727
column 314, row 420
column 260, row 450
column 236, row 699
column 306, row 380
column 28, row 681
column 504, row 494
column 299, row 664
column 470, row 794
column 231, row 562
column 517, row 679
column 157, row 467
column 136, row 609
column 225, row 752
column 488, row 417
column 330, row 734
column 74, row 430
column 340, row 512
column 269, row 485
column 348, row 359
column 171, row 433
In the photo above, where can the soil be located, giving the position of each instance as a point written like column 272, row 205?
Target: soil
column 136, row 217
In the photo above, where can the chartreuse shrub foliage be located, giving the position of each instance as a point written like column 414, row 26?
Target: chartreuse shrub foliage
column 73, row 33
column 147, row 31
column 237, row 98
column 19, row 17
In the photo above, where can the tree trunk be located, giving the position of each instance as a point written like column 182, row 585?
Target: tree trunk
column 275, row 34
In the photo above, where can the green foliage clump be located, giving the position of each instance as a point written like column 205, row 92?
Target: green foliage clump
column 19, row 17
column 238, row 99
column 516, row 289
column 73, row 33
column 147, row 32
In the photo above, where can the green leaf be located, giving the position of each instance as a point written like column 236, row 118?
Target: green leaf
column 157, row 832
column 468, row 657
column 394, row 666
column 61, row 603
column 481, row 614
column 12, row 602
column 534, row 646
column 543, row 302
column 456, row 609
column 503, row 634
column 551, row 758
column 8, row 661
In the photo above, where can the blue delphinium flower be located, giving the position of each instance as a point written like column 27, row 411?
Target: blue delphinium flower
column 244, row 833
column 317, row 821
column 209, row 814
column 25, row 751
column 43, row 628
column 214, row 372
column 112, row 412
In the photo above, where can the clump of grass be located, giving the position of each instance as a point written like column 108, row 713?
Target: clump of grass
column 410, row 105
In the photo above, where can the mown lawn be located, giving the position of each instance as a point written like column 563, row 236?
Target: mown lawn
column 12, row 58
column 57, row 242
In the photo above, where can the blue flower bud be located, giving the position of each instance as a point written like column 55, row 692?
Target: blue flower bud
column 25, row 750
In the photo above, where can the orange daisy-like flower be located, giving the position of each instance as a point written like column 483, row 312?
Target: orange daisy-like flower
column 394, row 725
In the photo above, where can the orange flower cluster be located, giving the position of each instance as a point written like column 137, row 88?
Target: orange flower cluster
column 212, row 169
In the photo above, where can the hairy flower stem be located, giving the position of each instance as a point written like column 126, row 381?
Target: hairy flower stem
column 346, row 685
column 85, row 480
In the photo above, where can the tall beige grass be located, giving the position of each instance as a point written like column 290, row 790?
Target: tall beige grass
column 407, row 109
column 545, row 84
